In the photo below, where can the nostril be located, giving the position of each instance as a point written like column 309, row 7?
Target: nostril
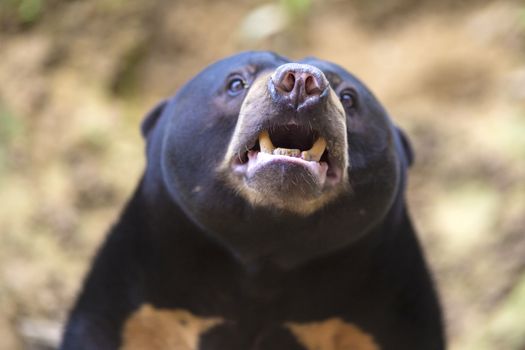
column 311, row 86
column 295, row 85
column 288, row 83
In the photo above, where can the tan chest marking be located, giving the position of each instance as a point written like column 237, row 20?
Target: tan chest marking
column 157, row 329
column 332, row 334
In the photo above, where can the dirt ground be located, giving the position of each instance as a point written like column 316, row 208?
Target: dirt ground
column 77, row 76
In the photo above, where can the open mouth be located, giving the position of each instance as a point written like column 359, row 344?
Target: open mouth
column 292, row 143
column 289, row 145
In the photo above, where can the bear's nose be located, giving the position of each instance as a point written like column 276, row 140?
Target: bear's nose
column 297, row 84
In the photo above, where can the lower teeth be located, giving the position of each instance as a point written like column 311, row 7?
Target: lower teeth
column 287, row 152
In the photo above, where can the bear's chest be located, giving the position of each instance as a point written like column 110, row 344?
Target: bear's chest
column 178, row 329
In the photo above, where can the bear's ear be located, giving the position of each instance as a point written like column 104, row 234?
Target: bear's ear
column 151, row 118
column 407, row 147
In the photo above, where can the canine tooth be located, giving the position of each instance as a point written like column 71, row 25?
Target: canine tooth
column 265, row 143
column 287, row 152
column 317, row 150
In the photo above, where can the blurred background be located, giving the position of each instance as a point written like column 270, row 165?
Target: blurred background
column 77, row 76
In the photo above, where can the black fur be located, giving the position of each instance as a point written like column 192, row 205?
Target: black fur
column 188, row 241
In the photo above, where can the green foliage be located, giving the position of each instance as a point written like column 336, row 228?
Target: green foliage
column 297, row 8
column 125, row 79
column 506, row 328
column 22, row 11
column 29, row 10
column 10, row 128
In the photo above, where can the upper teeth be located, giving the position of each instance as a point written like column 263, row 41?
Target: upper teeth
column 313, row 154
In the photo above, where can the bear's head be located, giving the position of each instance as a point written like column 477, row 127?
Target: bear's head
column 278, row 161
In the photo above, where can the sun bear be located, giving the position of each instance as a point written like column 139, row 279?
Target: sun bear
column 271, row 215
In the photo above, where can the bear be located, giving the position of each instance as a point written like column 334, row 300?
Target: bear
column 271, row 215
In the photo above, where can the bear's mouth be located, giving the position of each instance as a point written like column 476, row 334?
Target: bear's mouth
column 289, row 145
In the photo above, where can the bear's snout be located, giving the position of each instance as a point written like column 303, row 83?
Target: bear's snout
column 297, row 85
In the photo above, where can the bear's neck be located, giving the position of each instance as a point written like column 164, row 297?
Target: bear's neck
column 170, row 233
column 175, row 255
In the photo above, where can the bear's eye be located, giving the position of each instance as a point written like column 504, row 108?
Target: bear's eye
column 347, row 98
column 236, row 86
